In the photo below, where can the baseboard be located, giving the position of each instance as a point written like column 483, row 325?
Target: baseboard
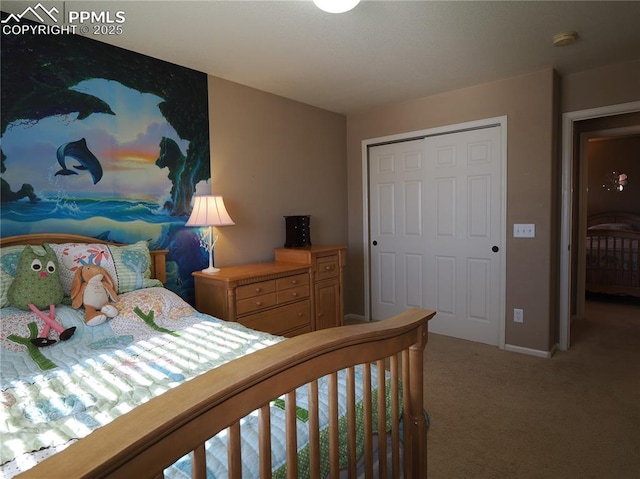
column 531, row 352
column 354, row 318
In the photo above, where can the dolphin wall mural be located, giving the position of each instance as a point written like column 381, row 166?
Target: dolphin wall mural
column 85, row 132
column 79, row 151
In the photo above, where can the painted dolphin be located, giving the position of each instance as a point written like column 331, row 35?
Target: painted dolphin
column 79, row 151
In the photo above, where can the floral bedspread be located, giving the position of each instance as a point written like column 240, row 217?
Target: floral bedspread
column 52, row 396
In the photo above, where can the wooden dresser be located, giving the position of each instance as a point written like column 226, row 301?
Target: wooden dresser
column 299, row 292
column 327, row 284
column 272, row 297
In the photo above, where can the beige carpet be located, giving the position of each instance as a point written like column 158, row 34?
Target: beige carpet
column 496, row 414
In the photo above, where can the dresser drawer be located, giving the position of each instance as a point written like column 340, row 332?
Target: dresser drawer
column 280, row 320
column 327, row 267
column 255, row 289
column 292, row 281
column 292, row 294
column 256, row 303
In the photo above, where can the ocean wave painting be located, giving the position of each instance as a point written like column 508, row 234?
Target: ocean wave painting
column 104, row 142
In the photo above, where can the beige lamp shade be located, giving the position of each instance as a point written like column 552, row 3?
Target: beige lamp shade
column 209, row 210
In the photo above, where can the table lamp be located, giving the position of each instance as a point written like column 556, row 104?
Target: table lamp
column 209, row 210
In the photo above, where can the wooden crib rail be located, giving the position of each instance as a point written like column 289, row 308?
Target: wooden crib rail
column 143, row 442
column 613, row 262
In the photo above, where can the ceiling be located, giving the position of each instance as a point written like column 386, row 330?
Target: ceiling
column 381, row 52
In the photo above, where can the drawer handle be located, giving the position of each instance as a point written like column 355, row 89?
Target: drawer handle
column 258, row 290
column 300, row 315
column 258, row 303
column 328, row 268
column 294, row 281
column 294, row 294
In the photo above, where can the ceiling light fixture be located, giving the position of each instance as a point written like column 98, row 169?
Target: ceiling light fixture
column 336, row 6
column 564, row 39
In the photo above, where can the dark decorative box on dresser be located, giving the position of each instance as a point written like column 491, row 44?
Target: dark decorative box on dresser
column 327, row 264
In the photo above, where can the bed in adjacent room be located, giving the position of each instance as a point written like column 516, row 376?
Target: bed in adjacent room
column 613, row 246
column 161, row 390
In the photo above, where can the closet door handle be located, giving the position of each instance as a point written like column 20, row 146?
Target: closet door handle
column 375, row 243
column 495, row 249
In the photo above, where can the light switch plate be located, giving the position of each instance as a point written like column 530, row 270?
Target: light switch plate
column 521, row 230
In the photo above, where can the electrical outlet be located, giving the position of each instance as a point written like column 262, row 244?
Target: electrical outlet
column 518, row 315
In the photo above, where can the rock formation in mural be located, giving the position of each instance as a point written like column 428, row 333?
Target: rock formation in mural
column 38, row 72
column 7, row 194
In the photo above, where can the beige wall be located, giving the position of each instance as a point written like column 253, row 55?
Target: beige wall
column 610, row 85
column 532, row 104
column 271, row 157
column 528, row 103
column 605, row 156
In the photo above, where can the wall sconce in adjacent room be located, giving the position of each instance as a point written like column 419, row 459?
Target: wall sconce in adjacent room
column 616, row 181
column 209, row 210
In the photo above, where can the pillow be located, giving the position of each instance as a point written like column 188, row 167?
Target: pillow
column 9, row 256
column 129, row 265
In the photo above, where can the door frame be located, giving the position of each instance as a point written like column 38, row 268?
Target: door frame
column 582, row 213
column 414, row 135
column 568, row 185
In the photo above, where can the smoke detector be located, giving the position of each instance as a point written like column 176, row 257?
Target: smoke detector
column 565, row 38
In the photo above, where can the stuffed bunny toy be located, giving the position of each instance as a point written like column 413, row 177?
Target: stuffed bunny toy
column 93, row 288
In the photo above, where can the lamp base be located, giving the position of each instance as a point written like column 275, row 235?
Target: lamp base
column 211, row 270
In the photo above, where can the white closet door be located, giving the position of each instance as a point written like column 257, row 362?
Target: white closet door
column 398, row 248
column 435, row 230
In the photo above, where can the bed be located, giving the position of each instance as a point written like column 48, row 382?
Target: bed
column 612, row 248
column 162, row 390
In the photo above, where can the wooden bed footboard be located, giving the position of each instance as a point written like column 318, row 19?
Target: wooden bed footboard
column 143, row 442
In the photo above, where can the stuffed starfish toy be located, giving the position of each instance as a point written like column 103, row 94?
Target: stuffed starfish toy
column 37, row 286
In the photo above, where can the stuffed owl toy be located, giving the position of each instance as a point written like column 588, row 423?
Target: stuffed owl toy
column 37, row 286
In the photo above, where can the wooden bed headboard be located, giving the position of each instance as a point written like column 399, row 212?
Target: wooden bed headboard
column 622, row 217
column 158, row 257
